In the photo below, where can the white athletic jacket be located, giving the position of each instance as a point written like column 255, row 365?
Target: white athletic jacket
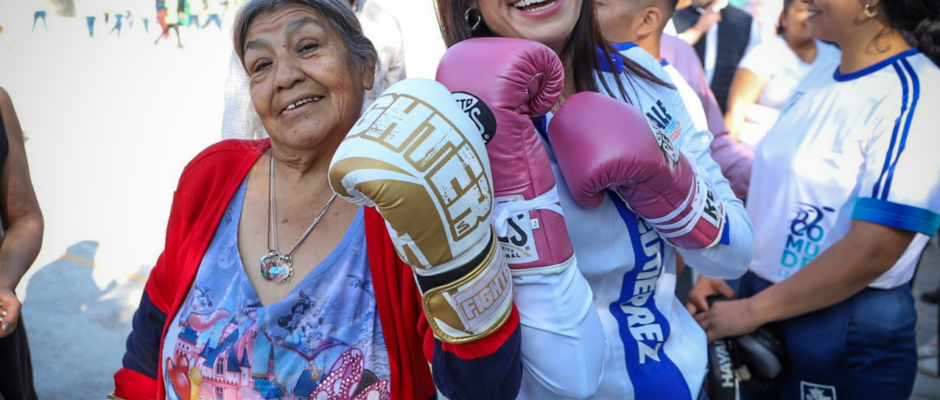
column 616, row 350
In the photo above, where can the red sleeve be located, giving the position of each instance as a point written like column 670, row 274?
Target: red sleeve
column 137, row 379
column 198, row 202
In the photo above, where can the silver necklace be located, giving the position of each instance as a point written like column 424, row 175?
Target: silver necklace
column 275, row 265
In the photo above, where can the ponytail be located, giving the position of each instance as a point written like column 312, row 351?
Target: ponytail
column 927, row 35
column 920, row 19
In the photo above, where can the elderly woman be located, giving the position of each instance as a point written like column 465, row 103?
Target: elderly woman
column 331, row 311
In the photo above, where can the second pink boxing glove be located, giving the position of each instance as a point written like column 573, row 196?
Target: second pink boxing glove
column 603, row 143
column 502, row 83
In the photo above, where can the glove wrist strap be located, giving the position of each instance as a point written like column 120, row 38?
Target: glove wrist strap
column 473, row 306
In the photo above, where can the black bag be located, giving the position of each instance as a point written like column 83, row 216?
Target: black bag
column 757, row 360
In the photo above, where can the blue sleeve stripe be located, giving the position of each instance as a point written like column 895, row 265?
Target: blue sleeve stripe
column 726, row 235
column 143, row 344
column 897, row 215
column 915, row 82
column 894, row 133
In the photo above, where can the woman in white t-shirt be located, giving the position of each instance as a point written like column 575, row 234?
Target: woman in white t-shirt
column 844, row 195
column 769, row 73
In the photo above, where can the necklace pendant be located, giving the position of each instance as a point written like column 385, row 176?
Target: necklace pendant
column 269, row 261
column 286, row 269
column 276, row 266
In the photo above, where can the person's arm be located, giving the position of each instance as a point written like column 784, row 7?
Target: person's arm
column 489, row 368
column 890, row 209
column 696, row 32
column 554, row 312
column 746, row 88
column 21, row 217
column 850, row 265
column 734, row 158
column 731, row 256
column 557, row 312
column 755, row 37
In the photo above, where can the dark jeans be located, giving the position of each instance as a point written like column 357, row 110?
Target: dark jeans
column 166, row 32
column 213, row 18
column 117, row 24
column 861, row 348
column 16, row 369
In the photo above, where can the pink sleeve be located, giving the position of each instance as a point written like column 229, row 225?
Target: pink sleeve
column 734, row 158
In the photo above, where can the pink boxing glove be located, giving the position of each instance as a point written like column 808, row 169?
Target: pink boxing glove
column 502, row 83
column 603, row 143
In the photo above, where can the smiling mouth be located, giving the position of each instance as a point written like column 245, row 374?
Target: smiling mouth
column 301, row 102
column 534, row 5
column 813, row 14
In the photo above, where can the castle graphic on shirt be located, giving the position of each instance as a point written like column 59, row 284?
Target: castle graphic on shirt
column 322, row 341
column 220, row 367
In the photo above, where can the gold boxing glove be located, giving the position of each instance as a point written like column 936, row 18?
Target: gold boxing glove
column 419, row 159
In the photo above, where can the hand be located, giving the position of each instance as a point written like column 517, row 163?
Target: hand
column 708, row 18
column 9, row 311
column 705, row 287
column 728, row 318
column 735, row 132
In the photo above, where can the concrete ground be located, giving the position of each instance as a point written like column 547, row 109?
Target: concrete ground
column 110, row 124
column 927, row 279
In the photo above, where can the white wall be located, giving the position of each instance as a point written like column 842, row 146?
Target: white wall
column 423, row 43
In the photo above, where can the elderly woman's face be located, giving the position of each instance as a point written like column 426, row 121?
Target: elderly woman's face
column 549, row 22
column 304, row 85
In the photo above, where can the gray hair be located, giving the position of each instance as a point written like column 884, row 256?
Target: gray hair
column 337, row 12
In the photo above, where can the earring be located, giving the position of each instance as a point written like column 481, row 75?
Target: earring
column 871, row 12
column 475, row 25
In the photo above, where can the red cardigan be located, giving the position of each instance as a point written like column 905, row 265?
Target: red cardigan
column 489, row 368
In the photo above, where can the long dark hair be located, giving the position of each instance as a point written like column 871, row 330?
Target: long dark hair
column 581, row 48
column 920, row 19
column 783, row 15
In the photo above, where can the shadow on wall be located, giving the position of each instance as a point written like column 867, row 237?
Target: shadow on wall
column 77, row 326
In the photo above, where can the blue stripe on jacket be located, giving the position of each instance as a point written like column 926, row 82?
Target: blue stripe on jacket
column 643, row 328
column 896, row 215
column 915, row 82
column 894, row 134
